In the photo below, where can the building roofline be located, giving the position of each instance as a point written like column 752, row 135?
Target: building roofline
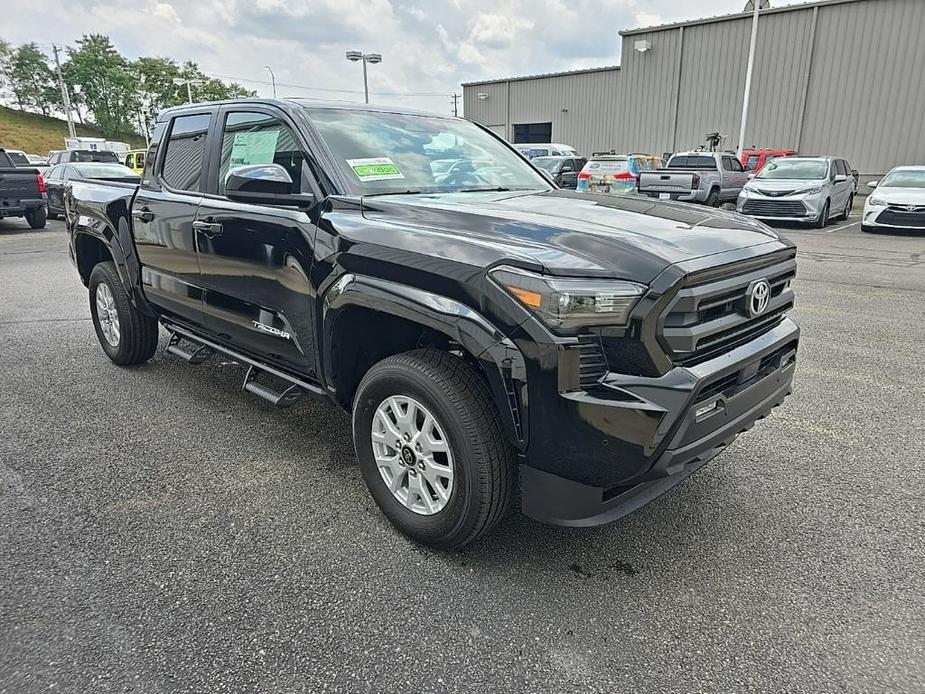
column 544, row 75
column 728, row 17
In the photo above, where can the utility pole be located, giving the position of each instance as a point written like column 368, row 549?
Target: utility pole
column 64, row 95
column 456, row 105
column 272, row 78
column 748, row 79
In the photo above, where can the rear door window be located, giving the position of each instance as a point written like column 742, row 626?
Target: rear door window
column 185, row 152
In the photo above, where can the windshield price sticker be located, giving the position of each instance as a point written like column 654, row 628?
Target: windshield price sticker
column 375, row 169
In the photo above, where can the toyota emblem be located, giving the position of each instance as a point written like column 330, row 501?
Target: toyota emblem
column 759, row 295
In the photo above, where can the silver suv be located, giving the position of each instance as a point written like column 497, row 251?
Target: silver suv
column 800, row 189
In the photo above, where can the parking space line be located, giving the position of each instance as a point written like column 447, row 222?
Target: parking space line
column 843, row 226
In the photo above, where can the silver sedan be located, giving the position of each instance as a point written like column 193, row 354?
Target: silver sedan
column 897, row 202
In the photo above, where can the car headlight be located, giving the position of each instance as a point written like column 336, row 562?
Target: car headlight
column 566, row 303
column 810, row 191
column 744, row 193
column 876, row 202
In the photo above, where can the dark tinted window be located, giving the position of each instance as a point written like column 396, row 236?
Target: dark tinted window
column 692, row 161
column 87, row 155
column 258, row 138
column 18, row 159
column 182, row 167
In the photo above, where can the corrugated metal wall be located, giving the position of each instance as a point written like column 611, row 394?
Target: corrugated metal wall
column 858, row 66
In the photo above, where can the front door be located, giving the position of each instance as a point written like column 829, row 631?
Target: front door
column 162, row 220
column 255, row 260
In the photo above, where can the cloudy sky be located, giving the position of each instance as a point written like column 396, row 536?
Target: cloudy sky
column 428, row 46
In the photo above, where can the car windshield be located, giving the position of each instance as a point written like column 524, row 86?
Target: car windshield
column 798, row 169
column 89, row 155
column 105, row 171
column 380, row 152
column 551, row 164
column 911, row 178
column 692, row 161
column 19, row 159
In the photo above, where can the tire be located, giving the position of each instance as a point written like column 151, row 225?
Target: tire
column 823, row 216
column 36, row 217
column 136, row 335
column 478, row 454
column 867, row 229
column 713, row 198
column 849, row 204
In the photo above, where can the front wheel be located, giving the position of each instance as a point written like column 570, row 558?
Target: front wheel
column 823, row 216
column 36, row 217
column 431, row 448
column 125, row 334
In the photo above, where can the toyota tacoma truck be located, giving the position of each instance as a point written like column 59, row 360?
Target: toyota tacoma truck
column 495, row 338
column 22, row 192
column 711, row 178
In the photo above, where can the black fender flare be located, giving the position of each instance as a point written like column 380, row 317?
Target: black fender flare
column 499, row 358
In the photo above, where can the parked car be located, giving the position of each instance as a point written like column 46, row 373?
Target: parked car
column 753, row 160
column 59, row 176
column 37, row 160
column 711, row 178
column 22, row 191
column 800, row 189
column 616, row 173
column 897, row 202
column 563, row 170
column 135, row 160
column 66, row 156
column 485, row 338
column 545, row 149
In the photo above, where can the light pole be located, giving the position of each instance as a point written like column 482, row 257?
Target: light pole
column 189, row 84
column 355, row 56
column 272, row 79
column 748, row 78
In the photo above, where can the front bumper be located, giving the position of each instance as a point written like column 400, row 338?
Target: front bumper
column 634, row 438
column 774, row 209
column 892, row 218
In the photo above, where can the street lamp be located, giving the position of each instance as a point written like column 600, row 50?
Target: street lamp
column 272, row 78
column 189, row 82
column 355, row 56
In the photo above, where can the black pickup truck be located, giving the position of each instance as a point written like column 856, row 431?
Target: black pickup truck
column 22, row 192
column 488, row 331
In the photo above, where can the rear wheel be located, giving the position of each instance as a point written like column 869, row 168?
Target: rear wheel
column 713, row 198
column 125, row 334
column 36, row 217
column 823, row 218
column 431, row 448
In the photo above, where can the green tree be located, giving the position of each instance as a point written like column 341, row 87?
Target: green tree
column 6, row 69
column 31, row 79
column 106, row 83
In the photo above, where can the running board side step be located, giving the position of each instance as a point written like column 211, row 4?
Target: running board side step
column 205, row 348
column 199, row 354
column 283, row 398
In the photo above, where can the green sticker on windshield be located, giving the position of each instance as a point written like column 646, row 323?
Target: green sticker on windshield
column 375, row 169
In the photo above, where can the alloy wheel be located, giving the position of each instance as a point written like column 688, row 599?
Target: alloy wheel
column 413, row 455
column 107, row 315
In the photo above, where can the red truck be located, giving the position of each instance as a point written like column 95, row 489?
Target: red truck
column 754, row 159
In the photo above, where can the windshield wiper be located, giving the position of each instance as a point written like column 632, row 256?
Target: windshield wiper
column 498, row 189
column 393, row 192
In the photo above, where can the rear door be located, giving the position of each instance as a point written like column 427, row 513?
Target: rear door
column 163, row 213
column 256, row 259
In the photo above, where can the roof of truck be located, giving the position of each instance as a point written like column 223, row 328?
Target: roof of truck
column 288, row 103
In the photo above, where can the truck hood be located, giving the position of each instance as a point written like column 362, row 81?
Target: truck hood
column 568, row 233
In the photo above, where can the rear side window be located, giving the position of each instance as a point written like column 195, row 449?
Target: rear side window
column 185, row 153
column 259, row 138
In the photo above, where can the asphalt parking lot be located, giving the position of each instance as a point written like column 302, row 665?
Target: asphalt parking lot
column 163, row 531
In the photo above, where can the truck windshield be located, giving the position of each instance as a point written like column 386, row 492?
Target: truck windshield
column 380, row 152
column 692, row 161
column 806, row 169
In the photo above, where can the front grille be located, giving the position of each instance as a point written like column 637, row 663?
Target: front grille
column 709, row 314
column 592, row 364
column 776, row 193
column 732, row 383
column 775, row 208
column 899, row 217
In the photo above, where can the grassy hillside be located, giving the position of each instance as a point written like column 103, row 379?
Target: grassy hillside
column 36, row 134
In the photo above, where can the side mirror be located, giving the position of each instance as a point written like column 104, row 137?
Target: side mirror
column 840, row 178
column 873, row 184
column 267, row 184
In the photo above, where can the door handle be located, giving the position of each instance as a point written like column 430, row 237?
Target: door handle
column 208, row 229
column 143, row 215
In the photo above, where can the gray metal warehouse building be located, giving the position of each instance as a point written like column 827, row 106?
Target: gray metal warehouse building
column 840, row 77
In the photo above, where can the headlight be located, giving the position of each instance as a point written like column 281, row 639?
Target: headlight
column 744, row 193
column 566, row 303
column 876, row 202
column 810, row 191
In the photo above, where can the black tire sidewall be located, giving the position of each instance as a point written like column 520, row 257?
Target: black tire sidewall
column 36, row 218
column 455, row 518
column 106, row 272
column 823, row 216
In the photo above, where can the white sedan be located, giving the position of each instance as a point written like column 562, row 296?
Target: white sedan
column 897, row 202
